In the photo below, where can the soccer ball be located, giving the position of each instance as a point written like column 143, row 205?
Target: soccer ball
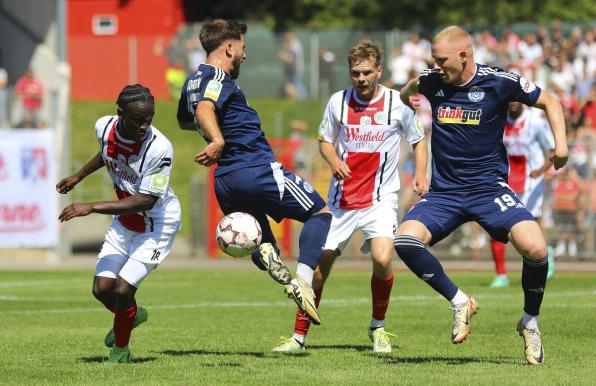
column 238, row 234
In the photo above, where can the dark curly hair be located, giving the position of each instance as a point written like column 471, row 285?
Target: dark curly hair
column 134, row 93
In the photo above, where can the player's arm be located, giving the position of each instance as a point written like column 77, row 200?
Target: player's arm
column 554, row 113
column 207, row 119
column 185, row 119
column 66, row 184
column 339, row 169
column 133, row 204
column 420, row 182
column 409, row 90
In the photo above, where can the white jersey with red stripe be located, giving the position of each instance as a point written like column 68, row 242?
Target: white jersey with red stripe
column 367, row 135
column 526, row 138
column 139, row 167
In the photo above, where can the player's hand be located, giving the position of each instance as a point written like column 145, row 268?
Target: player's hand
column 66, row 184
column 76, row 209
column 536, row 173
column 420, row 185
column 415, row 101
column 340, row 170
column 560, row 157
column 210, row 154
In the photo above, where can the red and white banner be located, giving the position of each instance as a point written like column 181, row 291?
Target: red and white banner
column 28, row 199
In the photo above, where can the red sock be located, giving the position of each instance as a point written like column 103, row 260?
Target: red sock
column 381, row 291
column 123, row 322
column 498, row 249
column 302, row 324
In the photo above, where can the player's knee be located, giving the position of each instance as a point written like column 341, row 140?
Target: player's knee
column 123, row 290
column 382, row 263
column 536, row 251
column 102, row 290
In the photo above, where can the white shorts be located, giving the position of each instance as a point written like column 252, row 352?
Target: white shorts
column 133, row 271
column 533, row 198
column 375, row 221
column 149, row 248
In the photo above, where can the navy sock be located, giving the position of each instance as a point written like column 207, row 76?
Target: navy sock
column 533, row 282
column 313, row 237
column 414, row 254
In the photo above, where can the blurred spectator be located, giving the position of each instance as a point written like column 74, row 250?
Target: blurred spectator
column 326, row 60
column 400, row 67
column 567, row 191
column 195, row 54
column 417, row 50
column 175, row 77
column 29, row 89
column 3, row 95
column 292, row 57
column 588, row 112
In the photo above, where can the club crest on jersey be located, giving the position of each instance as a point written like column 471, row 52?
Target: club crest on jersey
column 458, row 115
column 476, row 94
column 379, row 117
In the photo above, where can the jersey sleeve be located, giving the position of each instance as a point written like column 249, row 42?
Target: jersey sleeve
column 516, row 88
column 185, row 110
column 155, row 179
column 411, row 126
column 425, row 81
column 330, row 125
column 216, row 89
column 101, row 128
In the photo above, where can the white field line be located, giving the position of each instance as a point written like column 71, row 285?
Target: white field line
column 326, row 302
column 41, row 283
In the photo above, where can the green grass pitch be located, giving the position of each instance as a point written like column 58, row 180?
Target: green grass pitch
column 218, row 327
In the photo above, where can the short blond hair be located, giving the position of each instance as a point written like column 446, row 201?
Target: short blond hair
column 364, row 50
column 454, row 35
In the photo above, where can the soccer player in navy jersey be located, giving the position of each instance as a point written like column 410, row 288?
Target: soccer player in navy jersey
column 248, row 178
column 469, row 176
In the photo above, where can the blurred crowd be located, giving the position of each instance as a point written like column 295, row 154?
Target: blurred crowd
column 28, row 97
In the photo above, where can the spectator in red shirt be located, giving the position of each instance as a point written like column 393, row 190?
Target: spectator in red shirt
column 30, row 91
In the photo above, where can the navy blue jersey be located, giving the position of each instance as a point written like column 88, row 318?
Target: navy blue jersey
column 468, row 124
column 245, row 143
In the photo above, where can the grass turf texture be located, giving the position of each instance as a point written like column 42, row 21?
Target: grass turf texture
column 186, row 143
column 218, row 327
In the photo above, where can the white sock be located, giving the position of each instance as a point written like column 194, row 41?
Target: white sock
column 459, row 299
column 299, row 338
column 530, row 321
column 374, row 324
column 305, row 272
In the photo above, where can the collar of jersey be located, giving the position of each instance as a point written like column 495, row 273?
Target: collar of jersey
column 370, row 102
column 130, row 141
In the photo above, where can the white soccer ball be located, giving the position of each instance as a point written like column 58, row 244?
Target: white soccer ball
column 238, row 234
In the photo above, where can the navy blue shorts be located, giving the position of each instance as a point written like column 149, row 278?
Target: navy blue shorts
column 496, row 208
column 267, row 190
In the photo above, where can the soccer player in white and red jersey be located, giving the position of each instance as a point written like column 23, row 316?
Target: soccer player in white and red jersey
column 469, row 180
column 359, row 137
column 529, row 144
column 139, row 158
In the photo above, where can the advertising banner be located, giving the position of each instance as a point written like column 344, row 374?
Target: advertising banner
column 28, row 199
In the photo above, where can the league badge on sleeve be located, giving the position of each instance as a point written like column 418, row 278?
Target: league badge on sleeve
column 527, row 85
column 213, row 90
column 158, row 183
